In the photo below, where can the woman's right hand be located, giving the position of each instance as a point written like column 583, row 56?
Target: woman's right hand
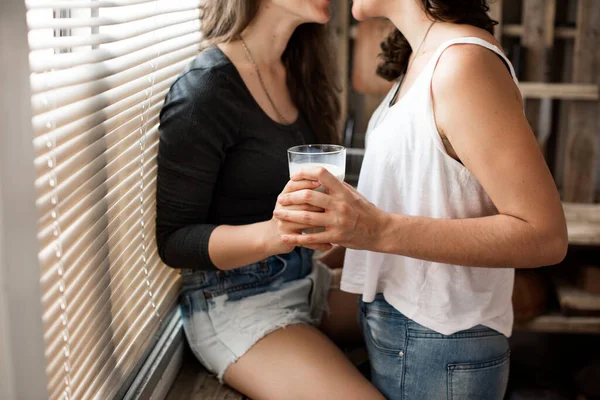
column 278, row 227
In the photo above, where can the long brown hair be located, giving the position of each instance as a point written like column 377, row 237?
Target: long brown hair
column 308, row 58
column 396, row 49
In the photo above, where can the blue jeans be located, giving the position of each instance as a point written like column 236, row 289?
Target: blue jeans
column 411, row 362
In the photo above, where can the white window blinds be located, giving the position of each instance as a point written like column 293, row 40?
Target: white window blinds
column 100, row 70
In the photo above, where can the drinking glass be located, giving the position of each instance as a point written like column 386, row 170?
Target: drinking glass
column 329, row 156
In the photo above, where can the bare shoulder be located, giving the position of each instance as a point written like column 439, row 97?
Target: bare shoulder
column 467, row 67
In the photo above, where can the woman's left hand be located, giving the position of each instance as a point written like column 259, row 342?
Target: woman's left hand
column 350, row 220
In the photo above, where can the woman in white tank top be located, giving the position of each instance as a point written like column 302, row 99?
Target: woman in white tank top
column 454, row 194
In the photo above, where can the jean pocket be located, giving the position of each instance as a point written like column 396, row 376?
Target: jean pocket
column 479, row 380
column 387, row 334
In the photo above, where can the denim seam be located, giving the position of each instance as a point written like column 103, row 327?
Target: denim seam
column 458, row 335
column 235, row 289
column 450, row 390
column 479, row 365
column 238, row 288
column 404, row 363
column 388, row 314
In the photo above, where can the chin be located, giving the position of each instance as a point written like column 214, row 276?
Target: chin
column 320, row 14
column 324, row 16
column 358, row 12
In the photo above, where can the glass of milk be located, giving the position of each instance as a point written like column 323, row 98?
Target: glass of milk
column 329, row 156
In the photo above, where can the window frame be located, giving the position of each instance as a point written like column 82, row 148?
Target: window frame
column 22, row 351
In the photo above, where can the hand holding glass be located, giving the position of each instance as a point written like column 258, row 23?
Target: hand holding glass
column 331, row 157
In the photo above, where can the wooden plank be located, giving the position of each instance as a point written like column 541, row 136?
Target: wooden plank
column 560, row 32
column 575, row 301
column 590, row 279
column 340, row 25
column 537, row 39
column 561, row 324
column 496, row 14
column 563, row 91
column 582, row 148
column 562, row 114
column 583, row 223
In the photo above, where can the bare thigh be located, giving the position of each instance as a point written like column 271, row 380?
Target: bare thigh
column 340, row 323
column 298, row 362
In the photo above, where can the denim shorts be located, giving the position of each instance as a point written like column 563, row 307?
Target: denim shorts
column 411, row 362
column 226, row 312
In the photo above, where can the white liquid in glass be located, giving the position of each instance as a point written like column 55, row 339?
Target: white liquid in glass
column 336, row 171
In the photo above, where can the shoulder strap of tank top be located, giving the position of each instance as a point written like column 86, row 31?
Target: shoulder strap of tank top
column 471, row 40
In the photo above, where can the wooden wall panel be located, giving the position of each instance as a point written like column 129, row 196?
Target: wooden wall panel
column 582, row 152
column 340, row 25
column 538, row 38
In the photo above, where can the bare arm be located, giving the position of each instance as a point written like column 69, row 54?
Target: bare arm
column 495, row 142
column 235, row 246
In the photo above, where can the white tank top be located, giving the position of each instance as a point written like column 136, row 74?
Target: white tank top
column 406, row 170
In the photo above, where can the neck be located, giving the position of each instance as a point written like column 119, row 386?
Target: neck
column 268, row 34
column 411, row 20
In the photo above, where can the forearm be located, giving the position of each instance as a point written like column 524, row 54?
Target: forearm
column 235, row 246
column 498, row 241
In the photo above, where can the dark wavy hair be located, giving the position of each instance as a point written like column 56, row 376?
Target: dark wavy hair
column 396, row 49
column 308, row 58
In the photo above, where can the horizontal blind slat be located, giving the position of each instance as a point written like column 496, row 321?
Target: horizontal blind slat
column 99, row 339
column 42, row 82
column 69, row 4
column 149, row 25
column 100, row 72
column 106, row 313
column 81, row 109
column 158, row 9
column 41, row 63
column 131, row 350
column 101, row 254
column 97, row 140
column 121, row 227
column 88, row 214
column 95, row 188
column 116, row 162
column 139, row 76
column 93, row 127
column 99, row 152
column 116, row 326
column 90, row 300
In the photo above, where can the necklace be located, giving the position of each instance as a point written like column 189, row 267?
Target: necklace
column 262, row 83
column 397, row 92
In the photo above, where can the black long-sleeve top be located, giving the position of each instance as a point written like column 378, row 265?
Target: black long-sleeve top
column 221, row 159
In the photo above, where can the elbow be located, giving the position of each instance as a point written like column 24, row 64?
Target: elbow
column 161, row 244
column 560, row 247
column 554, row 246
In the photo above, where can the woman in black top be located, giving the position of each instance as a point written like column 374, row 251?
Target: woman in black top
column 263, row 84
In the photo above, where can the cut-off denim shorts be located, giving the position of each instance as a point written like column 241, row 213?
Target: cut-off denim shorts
column 412, row 362
column 226, row 312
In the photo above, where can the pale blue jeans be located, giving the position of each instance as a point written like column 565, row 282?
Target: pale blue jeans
column 411, row 362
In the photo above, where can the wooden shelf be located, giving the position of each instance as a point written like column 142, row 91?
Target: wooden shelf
column 556, row 323
column 561, row 91
column 583, row 223
column 560, row 32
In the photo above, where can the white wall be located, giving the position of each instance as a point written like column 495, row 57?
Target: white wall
column 22, row 361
